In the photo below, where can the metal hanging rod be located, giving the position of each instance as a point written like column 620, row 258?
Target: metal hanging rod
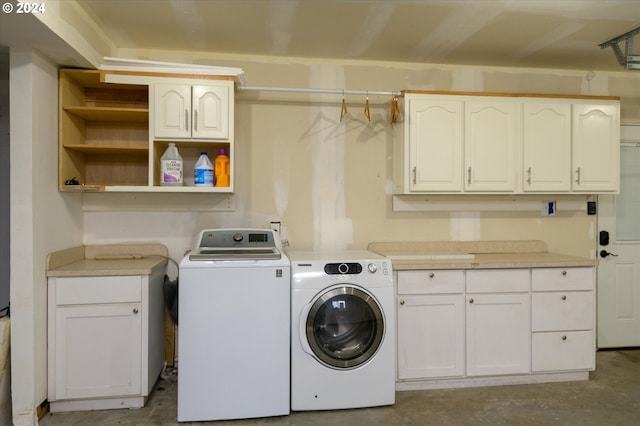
column 324, row 91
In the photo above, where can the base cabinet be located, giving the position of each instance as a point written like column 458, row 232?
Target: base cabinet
column 106, row 346
column 494, row 326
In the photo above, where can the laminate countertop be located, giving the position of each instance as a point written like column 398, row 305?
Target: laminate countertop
column 475, row 255
column 107, row 260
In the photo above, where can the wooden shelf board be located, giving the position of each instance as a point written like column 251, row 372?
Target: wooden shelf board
column 140, row 115
column 108, row 149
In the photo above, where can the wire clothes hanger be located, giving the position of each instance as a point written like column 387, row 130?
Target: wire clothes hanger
column 343, row 112
column 367, row 113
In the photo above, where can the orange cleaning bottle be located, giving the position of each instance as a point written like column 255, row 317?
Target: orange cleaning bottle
column 221, row 167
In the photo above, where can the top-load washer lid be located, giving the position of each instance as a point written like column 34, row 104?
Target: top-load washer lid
column 237, row 244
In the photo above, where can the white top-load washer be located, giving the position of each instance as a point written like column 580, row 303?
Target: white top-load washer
column 234, row 327
column 342, row 330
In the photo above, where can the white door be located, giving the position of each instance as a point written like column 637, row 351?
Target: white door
column 435, row 144
column 172, row 111
column 498, row 334
column 210, row 112
column 98, row 350
column 619, row 274
column 596, row 141
column 490, row 138
column 430, row 336
column 546, row 146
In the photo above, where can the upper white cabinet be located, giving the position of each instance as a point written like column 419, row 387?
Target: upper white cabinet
column 596, row 147
column 435, row 143
column 490, row 129
column 192, row 112
column 546, row 146
column 507, row 144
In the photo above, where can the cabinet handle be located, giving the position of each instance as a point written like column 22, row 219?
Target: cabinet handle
column 414, row 175
column 469, row 175
column 564, row 273
column 471, row 300
column 195, row 121
column 402, row 302
column 431, row 275
column 564, row 337
column 186, row 119
column 578, row 176
column 564, row 297
column 529, row 176
column 135, row 310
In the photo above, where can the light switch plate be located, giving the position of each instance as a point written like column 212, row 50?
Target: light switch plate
column 548, row 208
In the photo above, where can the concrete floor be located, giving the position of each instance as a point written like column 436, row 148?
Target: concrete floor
column 610, row 397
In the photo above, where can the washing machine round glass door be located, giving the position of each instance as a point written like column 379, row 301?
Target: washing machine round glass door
column 345, row 327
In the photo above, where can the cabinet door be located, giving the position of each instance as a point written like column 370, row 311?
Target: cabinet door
column 172, row 111
column 498, row 334
column 546, row 146
column 596, row 148
column 430, row 336
column 491, row 137
column 98, row 351
column 435, row 145
column 210, row 112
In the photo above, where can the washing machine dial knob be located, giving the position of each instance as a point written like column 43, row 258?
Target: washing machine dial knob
column 372, row 267
column 237, row 237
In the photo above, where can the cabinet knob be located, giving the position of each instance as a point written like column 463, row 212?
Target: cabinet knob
column 402, row 302
column 564, row 337
column 431, row 275
column 564, row 273
column 471, row 300
column 564, row 297
column 135, row 310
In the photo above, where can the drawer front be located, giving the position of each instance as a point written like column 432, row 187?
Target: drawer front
column 108, row 289
column 430, row 282
column 574, row 350
column 555, row 311
column 551, row 279
column 498, row 281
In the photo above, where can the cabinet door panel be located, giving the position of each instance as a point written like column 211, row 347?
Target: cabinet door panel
column 430, row 336
column 98, row 351
column 498, row 334
column 573, row 350
column 435, row 145
column 210, row 112
column 546, row 146
column 172, row 111
column 570, row 310
column 490, row 136
column 596, row 147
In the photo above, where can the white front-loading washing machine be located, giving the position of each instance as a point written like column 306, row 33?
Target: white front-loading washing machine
column 342, row 330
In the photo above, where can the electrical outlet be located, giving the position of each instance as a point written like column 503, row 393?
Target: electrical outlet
column 275, row 226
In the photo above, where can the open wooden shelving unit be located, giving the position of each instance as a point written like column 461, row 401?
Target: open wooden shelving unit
column 104, row 132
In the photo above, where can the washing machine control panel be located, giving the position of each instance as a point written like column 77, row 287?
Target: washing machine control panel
column 346, row 268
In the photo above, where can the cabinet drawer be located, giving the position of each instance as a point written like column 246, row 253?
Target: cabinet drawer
column 550, row 279
column 108, row 289
column 554, row 311
column 498, row 281
column 430, row 282
column 574, row 350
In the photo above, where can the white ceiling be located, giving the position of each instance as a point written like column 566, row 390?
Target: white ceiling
column 514, row 33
